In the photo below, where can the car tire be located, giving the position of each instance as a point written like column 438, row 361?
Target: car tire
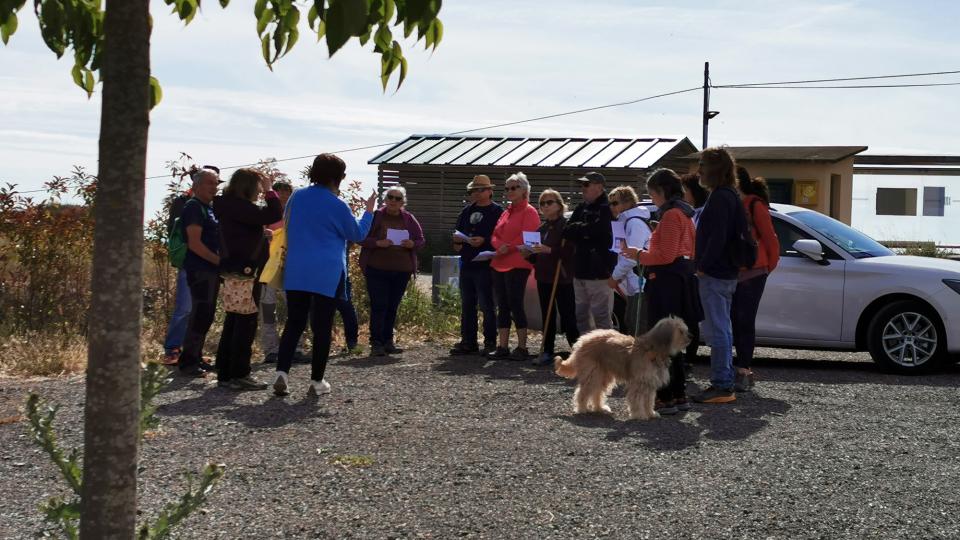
column 906, row 337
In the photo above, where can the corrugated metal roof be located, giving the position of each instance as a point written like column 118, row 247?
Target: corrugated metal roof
column 576, row 152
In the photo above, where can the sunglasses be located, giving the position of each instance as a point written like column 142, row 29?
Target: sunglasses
column 398, row 198
column 549, row 202
column 477, row 190
column 614, row 203
column 511, row 188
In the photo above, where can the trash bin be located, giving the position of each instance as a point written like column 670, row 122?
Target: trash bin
column 446, row 273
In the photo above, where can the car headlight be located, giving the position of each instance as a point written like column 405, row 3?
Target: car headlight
column 953, row 284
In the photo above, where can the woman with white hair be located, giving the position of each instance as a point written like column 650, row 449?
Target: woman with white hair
column 510, row 269
column 388, row 264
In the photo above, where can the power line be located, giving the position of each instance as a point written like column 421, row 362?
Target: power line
column 841, row 79
column 736, row 87
column 754, row 86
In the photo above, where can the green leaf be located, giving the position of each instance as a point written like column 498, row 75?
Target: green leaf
column 156, row 93
column 88, row 81
column 77, row 73
column 312, row 17
column 364, row 39
column 292, row 38
column 224, row 3
column 265, row 19
column 389, row 8
column 345, row 18
column 265, row 46
column 258, row 9
column 321, row 30
column 382, row 38
column 8, row 28
column 434, row 34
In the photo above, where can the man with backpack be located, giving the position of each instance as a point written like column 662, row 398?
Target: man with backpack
column 177, row 329
column 200, row 231
column 724, row 245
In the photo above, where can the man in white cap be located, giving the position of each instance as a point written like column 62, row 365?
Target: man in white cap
column 477, row 221
column 589, row 230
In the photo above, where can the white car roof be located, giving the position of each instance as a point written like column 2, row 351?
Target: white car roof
column 788, row 208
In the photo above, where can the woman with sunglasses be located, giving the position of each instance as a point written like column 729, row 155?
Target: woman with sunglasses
column 388, row 264
column 553, row 257
column 510, row 269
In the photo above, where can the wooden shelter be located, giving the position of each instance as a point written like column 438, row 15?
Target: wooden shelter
column 435, row 169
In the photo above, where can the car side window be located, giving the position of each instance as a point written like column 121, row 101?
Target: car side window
column 788, row 234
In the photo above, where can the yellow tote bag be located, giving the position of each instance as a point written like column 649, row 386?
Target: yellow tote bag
column 272, row 274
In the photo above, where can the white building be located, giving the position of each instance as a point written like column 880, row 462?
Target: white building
column 907, row 198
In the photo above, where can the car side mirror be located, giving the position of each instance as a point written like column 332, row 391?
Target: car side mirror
column 811, row 249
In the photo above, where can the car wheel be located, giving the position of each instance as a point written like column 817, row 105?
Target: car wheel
column 906, row 337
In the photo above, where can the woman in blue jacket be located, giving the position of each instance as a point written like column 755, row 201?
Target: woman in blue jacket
column 319, row 225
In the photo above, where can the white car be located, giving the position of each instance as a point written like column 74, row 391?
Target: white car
column 837, row 289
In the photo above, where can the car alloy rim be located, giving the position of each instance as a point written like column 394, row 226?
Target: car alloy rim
column 910, row 339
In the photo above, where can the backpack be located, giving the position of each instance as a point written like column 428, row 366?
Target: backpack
column 744, row 248
column 177, row 241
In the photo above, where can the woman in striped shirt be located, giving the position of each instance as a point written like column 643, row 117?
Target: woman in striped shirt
column 671, row 283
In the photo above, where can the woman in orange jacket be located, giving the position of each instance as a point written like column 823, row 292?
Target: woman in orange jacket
column 751, row 281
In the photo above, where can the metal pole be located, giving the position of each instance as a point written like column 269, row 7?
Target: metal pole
column 706, row 102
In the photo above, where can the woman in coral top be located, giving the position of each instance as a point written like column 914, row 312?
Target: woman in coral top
column 671, row 282
column 510, row 269
column 751, row 281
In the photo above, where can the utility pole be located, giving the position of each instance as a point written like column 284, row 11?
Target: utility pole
column 707, row 113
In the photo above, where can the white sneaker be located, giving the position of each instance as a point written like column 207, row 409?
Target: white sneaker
column 320, row 387
column 280, row 384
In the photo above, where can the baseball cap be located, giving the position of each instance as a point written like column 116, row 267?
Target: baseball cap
column 592, row 178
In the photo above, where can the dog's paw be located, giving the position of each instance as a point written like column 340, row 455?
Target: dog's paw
column 606, row 409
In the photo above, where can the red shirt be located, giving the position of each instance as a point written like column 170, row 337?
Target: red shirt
column 674, row 237
column 518, row 218
column 768, row 245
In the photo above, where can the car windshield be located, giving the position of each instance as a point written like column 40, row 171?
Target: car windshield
column 850, row 240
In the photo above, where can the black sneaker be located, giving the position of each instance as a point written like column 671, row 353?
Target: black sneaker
column 392, row 349
column 377, row 350
column 500, row 352
column 742, row 382
column 716, row 395
column 488, row 348
column 463, row 350
column 193, row 371
column 666, row 407
column 206, row 366
column 520, row 354
column 270, row 358
column 246, row 383
column 545, row 359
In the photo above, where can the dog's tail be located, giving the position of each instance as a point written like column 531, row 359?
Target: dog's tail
column 565, row 368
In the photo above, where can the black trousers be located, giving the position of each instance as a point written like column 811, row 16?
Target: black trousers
column 319, row 309
column 743, row 315
column 236, row 342
column 508, row 289
column 204, row 289
column 565, row 305
column 476, row 291
column 664, row 295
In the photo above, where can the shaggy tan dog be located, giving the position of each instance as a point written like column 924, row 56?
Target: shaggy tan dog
column 602, row 359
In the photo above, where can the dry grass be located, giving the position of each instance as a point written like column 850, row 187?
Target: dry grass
column 46, row 355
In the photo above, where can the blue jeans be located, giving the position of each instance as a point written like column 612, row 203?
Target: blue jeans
column 476, row 288
column 716, row 295
column 177, row 329
column 385, row 289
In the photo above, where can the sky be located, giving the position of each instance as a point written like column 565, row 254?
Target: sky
column 502, row 61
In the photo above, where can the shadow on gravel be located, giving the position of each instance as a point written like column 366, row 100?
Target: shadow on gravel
column 272, row 412
column 368, row 361
column 739, row 420
column 663, row 434
column 843, row 372
column 504, row 370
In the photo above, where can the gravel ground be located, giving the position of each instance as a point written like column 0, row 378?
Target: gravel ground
column 439, row 447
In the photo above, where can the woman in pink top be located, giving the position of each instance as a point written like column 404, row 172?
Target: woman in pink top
column 509, row 267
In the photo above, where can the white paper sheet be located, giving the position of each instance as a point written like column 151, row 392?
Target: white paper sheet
column 397, row 235
column 531, row 238
column 460, row 236
column 619, row 236
column 485, row 255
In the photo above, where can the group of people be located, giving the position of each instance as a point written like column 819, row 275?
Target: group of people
column 679, row 260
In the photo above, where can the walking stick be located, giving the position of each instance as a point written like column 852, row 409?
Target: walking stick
column 553, row 292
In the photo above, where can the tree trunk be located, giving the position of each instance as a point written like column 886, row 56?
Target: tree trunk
column 111, row 416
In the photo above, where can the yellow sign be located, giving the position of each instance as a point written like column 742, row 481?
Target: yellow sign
column 805, row 192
